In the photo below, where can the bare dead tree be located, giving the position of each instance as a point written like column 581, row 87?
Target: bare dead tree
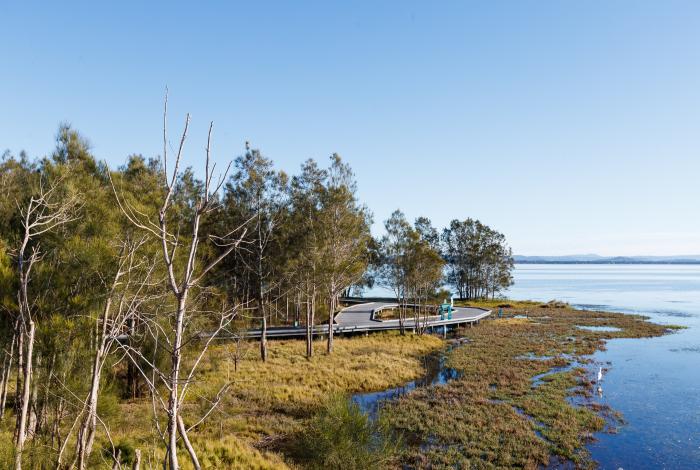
column 126, row 294
column 237, row 350
column 7, row 371
column 184, row 276
column 43, row 213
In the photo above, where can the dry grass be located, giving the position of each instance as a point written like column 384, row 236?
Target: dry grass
column 268, row 402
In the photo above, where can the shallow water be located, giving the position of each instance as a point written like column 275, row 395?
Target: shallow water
column 608, row 329
column 654, row 382
column 436, row 373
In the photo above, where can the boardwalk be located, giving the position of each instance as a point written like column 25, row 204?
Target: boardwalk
column 360, row 318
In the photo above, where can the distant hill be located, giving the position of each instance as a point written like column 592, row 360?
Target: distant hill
column 597, row 259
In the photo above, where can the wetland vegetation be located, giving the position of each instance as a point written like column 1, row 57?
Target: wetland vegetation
column 518, row 400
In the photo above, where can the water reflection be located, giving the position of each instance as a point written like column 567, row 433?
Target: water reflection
column 605, row 329
column 436, row 373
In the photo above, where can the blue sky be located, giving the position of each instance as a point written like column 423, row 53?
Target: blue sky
column 572, row 127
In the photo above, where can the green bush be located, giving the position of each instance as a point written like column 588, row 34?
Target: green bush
column 341, row 436
column 126, row 450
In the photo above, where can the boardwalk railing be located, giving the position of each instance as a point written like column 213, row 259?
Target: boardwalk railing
column 376, row 325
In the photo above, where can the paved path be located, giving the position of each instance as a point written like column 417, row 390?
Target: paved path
column 360, row 318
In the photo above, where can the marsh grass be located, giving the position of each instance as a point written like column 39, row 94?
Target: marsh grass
column 494, row 416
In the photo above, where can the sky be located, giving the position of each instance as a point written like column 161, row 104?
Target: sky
column 571, row 127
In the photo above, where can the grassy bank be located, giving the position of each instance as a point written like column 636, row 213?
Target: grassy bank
column 269, row 403
column 493, row 416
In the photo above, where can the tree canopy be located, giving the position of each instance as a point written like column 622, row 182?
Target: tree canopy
column 138, row 253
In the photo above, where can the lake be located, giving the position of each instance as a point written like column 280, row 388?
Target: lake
column 654, row 382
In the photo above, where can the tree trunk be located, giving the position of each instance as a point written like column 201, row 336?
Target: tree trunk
column 7, row 372
column 137, row 460
column 309, row 331
column 26, row 390
column 20, row 372
column 260, row 294
column 331, row 313
column 89, row 424
column 188, row 445
column 263, row 332
column 32, row 419
column 173, row 399
column 117, row 460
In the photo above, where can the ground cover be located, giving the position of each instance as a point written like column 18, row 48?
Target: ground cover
column 511, row 406
column 268, row 404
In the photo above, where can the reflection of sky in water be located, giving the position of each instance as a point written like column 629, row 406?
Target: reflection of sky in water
column 609, row 329
column 436, row 373
column 654, row 382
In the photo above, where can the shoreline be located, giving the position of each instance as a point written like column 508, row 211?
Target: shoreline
column 540, row 385
column 489, row 414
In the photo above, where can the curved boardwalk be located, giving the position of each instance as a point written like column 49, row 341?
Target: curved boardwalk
column 360, row 318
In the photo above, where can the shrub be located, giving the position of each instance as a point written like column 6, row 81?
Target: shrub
column 342, row 436
column 125, row 449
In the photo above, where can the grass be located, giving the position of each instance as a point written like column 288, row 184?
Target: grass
column 269, row 404
column 286, row 412
column 493, row 416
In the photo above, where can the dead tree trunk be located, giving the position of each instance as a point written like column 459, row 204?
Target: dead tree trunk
column 183, row 273
column 7, row 373
column 42, row 214
column 173, row 399
column 26, row 390
column 86, row 434
column 310, row 317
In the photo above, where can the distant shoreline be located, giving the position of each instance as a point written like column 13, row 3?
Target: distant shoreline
column 679, row 262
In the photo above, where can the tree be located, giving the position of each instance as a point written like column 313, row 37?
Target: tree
column 185, row 203
column 479, row 260
column 46, row 210
column 256, row 196
column 344, row 230
column 425, row 271
column 393, row 260
column 409, row 264
column 303, row 241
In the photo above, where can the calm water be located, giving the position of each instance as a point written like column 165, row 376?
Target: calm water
column 654, row 382
column 436, row 373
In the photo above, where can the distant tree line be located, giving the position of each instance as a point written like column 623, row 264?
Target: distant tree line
column 125, row 276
